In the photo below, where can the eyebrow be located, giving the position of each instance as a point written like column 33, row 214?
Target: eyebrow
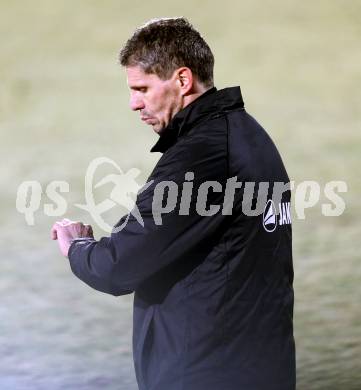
column 136, row 86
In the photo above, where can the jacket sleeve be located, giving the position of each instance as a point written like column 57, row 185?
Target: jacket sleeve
column 119, row 264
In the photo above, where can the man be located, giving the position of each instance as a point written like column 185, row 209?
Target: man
column 213, row 301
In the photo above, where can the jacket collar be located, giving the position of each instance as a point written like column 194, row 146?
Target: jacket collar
column 212, row 101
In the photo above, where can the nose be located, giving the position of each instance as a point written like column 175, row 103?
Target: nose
column 136, row 102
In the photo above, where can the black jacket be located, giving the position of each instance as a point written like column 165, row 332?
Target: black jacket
column 213, row 303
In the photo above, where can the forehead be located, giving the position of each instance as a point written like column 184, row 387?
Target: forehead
column 136, row 77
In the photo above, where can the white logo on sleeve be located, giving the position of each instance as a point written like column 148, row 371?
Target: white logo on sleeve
column 270, row 221
column 269, row 217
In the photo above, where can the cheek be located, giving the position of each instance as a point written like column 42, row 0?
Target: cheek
column 154, row 102
column 169, row 100
column 160, row 103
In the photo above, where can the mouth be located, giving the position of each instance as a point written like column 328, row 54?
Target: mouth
column 147, row 120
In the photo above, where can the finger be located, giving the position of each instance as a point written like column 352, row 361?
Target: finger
column 75, row 223
column 88, row 230
column 53, row 233
column 66, row 221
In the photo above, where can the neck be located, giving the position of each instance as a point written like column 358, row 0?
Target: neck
column 197, row 90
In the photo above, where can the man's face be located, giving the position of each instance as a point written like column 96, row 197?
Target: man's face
column 157, row 100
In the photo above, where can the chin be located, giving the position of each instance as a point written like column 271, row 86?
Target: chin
column 158, row 130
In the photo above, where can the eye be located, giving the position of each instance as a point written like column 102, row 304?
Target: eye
column 139, row 89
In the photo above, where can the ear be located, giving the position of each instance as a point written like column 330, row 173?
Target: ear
column 184, row 77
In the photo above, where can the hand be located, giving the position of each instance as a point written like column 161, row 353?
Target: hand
column 66, row 230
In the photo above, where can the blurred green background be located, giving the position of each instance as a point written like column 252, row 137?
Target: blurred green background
column 64, row 101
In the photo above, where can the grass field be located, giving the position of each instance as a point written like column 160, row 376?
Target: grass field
column 64, row 101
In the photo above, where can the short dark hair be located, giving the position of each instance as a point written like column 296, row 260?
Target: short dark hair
column 163, row 45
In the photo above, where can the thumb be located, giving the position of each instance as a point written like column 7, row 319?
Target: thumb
column 53, row 232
